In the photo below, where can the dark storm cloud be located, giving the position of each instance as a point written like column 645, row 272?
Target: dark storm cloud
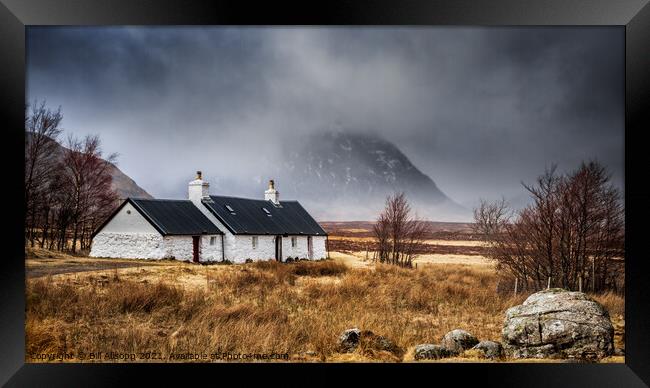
column 478, row 109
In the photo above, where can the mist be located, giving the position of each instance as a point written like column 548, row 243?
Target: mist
column 479, row 110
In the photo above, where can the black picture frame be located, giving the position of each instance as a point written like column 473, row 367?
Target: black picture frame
column 633, row 14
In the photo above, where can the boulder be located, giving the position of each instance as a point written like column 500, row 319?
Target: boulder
column 556, row 323
column 431, row 352
column 349, row 340
column 457, row 341
column 490, row 349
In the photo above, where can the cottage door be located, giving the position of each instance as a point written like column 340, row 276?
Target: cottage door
column 278, row 248
column 195, row 248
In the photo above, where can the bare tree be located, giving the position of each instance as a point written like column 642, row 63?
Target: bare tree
column 398, row 233
column 571, row 234
column 86, row 184
column 67, row 190
column 490, row 218
column 42, row 128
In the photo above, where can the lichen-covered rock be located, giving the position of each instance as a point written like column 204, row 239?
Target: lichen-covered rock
column 349, row 340
column 431, row 352
column 490, row 349
column 556, row 323
column 457, row 341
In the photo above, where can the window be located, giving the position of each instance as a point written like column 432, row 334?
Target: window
column 254, row 242
column 213, row 240
column 294, row 242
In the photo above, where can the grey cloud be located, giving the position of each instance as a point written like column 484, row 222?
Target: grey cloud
column 478, row 109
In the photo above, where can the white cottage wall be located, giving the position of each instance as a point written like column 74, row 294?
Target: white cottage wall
column 182, row 248
column 128, row 245
column 242, row 248
column 320, row 251
column 128, row 235
column 211, row 252
column 299, row 251
column 129, row 220
column 178, row 247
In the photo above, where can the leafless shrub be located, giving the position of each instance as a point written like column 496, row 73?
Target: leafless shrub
column 398, row 233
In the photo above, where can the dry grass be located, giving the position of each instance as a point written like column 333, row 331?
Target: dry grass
column 265, row 307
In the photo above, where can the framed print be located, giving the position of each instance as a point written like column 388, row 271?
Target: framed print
column 355, row 188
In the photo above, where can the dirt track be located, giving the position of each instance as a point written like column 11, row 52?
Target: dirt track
column 38, row 268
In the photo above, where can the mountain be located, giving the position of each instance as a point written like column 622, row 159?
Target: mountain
column 125, row 186
column 122, row 183
column 347, row 176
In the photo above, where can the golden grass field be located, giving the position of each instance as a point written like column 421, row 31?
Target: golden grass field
column 155, row 309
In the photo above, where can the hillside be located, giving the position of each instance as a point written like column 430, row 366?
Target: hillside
column 122, row 183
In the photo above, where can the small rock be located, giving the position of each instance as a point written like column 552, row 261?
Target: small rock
column 349, row 340
column 431, row 352
column 457, row 341
column 490, row 349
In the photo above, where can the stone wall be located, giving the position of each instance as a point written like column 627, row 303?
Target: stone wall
column 320, row 251
column 128, row 245
column 240, row 248
column 178, row 247
column 211, row 252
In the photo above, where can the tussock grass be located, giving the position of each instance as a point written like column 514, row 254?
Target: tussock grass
column 261, row 308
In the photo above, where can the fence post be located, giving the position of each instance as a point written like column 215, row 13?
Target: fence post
column 548, row 286
column 516, row 284
column 580, row 283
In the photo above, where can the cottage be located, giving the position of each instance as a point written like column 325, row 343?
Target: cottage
column 211, row 228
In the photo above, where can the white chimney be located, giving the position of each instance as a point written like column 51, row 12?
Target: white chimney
column 272, row 194
column 198, row 189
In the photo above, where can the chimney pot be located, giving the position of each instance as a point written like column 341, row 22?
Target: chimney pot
column 198, row 175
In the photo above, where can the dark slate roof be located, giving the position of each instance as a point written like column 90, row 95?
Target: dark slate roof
column 176, row 217
column 170, row 217
column 249, row 217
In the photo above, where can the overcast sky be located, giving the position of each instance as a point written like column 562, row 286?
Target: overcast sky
column 477, row 109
